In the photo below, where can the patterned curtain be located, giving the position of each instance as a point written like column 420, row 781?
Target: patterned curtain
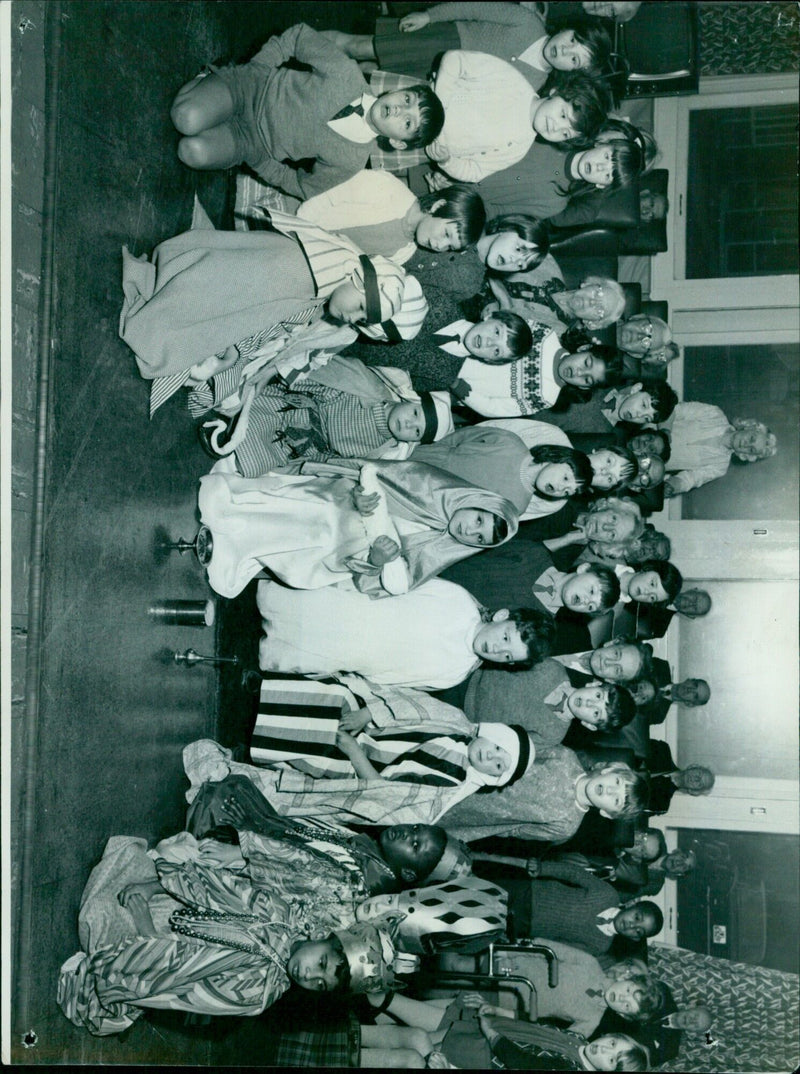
column 756, row 1011
column 746, row 38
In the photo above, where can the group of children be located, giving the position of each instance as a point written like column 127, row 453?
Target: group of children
column 448, row 604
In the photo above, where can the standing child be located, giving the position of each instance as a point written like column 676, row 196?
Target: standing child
column 264, row 113
column 430, row 638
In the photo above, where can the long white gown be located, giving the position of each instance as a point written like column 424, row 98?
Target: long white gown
column 421, row 639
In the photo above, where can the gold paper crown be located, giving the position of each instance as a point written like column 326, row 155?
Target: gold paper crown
column 370, row 954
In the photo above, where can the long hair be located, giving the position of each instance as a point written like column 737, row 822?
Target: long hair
column 669, row 575
column 529, row 228
column 461, row 204
column 590, row 98
column 576, row 460
column 627, row 163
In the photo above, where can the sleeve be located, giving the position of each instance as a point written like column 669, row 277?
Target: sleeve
column 282, row 176
column 573, row 875
column 514, row 1057
column 280, row 48
column 206, row 888
column 468, row 169
column 503, row 14
column 686, row 480
column 324, row 175
column 580, row 212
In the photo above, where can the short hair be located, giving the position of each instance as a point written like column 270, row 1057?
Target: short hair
column 590, row 99
column 748, row 424
column 518, row 331
column 529, row 228
column 662, row 842
column 620, row 707
column 613, row 376
column 623, row 504
column 663, row 396
column 652, row 1001
column 635, row 1057
column 630, row 468
column 461, row 204
column 614, row 129
column 670, row 351
column 343, row 968
column 595, row 38
column 537, row 630
column 577, row 461
column 637, row 788
column 431, row 117
column 703, row 768
column 500, row 529
column 608, row 582
column 619, row 301
column 666, row 440
column 669, row 575
column 654, row 911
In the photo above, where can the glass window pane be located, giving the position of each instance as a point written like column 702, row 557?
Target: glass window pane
column 745, row 650
column 742, row 167
column 760, row 382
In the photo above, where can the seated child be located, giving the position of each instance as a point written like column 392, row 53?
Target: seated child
column 186, row 935
column 378, row 212
column 551, row 800
column 589, row 590
column 211, row 299
column 548, row 375
column 509, row 31
column 316, row 529
column 544, row 701
column 620, row 153
column 613, row 467
column 342, row 410
column 265, row 113
column 643, row 403
column 650, row 582
column 430, row 638
column 493, row 115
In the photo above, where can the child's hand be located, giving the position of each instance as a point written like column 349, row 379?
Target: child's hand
column 486, row 1029
column 354, row 721
column 534, row 867
column 213, row 365
column 210, row 852
column 383, row 550
column 232, row 811
column 346, row 742
column 437, row 152
column 473, row 1000
column 437, row 181
column 365, row 503
column 417, row 20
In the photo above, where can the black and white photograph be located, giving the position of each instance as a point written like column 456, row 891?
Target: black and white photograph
column 399, row 592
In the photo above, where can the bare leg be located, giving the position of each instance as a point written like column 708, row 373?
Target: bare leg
column 201, row 104
column 412, row 1044
column 356, row 46
column 389, row 1058
column 214, row 148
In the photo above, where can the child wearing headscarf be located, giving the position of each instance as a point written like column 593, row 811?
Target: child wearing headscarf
column 313, row 529
column 209, row 301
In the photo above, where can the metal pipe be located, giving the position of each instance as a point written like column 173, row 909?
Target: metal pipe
column 24, row 930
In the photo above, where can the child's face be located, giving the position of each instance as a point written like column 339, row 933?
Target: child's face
column 506, row 251
column 616, row 662
column 313, row 965
column 488, row 340
column 437, row 233
column 556, row 481
column 582, row 593
column 607, row 792
column 406, row 422
column 488, row 758
column 588, row 704
column 499, row 641
column 605, row 1052
column 646, row 587
column 564, row 53
column 396, row 116
column 582, row 370
column 606, row 468
column 347, row 304
column 624, row 997
column 554, row 120
column 595, row 165
column 637, row 408
column 472, row 526
column 410, row 850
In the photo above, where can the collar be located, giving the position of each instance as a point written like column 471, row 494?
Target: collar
column 457, row 328
column 534, row 55
column 553, row 578
column 621, row 571
column 578, row 779
column 607, row 917
column 556, row 700
column 356, row 128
